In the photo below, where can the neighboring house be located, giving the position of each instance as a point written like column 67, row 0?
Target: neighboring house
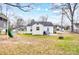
column 40, row 28
column 58, row 28
column 76, row 27
column 3, row 23
column 18, row 29
column 21, row 29
column 20, row 26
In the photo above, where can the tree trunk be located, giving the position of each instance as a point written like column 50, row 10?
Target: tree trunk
column 72, row 24
column 72, row 27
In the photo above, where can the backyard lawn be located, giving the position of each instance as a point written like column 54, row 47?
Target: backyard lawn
column 35, row 44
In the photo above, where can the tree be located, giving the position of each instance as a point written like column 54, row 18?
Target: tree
column 19, row 22
column 32, row 20
column 72, row 8
column 24, row 7
column 69, row 10
column 44, row 18
column 0, row 8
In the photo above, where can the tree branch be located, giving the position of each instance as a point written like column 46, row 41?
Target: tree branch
column 17, row 5
column 70, row 9
column 74, row 8
column 67, row 15
column 21, row 7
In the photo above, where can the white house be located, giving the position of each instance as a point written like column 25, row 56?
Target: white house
column 40, row 28
column 76, row 28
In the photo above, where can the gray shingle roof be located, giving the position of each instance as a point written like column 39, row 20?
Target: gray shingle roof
column 43, row 23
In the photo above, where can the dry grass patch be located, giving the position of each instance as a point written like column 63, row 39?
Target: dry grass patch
column 44, row 45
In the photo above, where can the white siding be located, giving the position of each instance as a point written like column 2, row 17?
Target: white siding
column 76, row 29
column 29, row 29
column 47, row 29
column 50, row 29
column 37, row 32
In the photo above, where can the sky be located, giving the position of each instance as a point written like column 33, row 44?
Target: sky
column 40, row 9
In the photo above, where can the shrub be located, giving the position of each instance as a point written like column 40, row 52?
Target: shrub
column 10, row 32
column 61, row 37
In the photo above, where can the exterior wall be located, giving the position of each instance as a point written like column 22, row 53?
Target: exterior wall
column 48, row 29
column 37, row 32
column 28, row 29
column 51, row 29
column 76, row 29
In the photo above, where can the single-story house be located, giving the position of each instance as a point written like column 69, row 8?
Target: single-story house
column 76, row 27
column 58, row 28
column 3, row 23
column 40, row 28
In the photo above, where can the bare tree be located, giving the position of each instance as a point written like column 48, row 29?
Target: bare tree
column 72, row 8
column 0, row 8
column 20, row 22
column 44, row 18
column 69, row 10
column 25, row 7
column 62, row 18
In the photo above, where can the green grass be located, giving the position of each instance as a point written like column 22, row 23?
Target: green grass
column 47, row 37
column 42, row 45
column 68, row 45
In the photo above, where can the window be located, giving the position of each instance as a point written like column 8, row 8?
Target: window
column 30, row 29
column 37, row 28
column 47, row 29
